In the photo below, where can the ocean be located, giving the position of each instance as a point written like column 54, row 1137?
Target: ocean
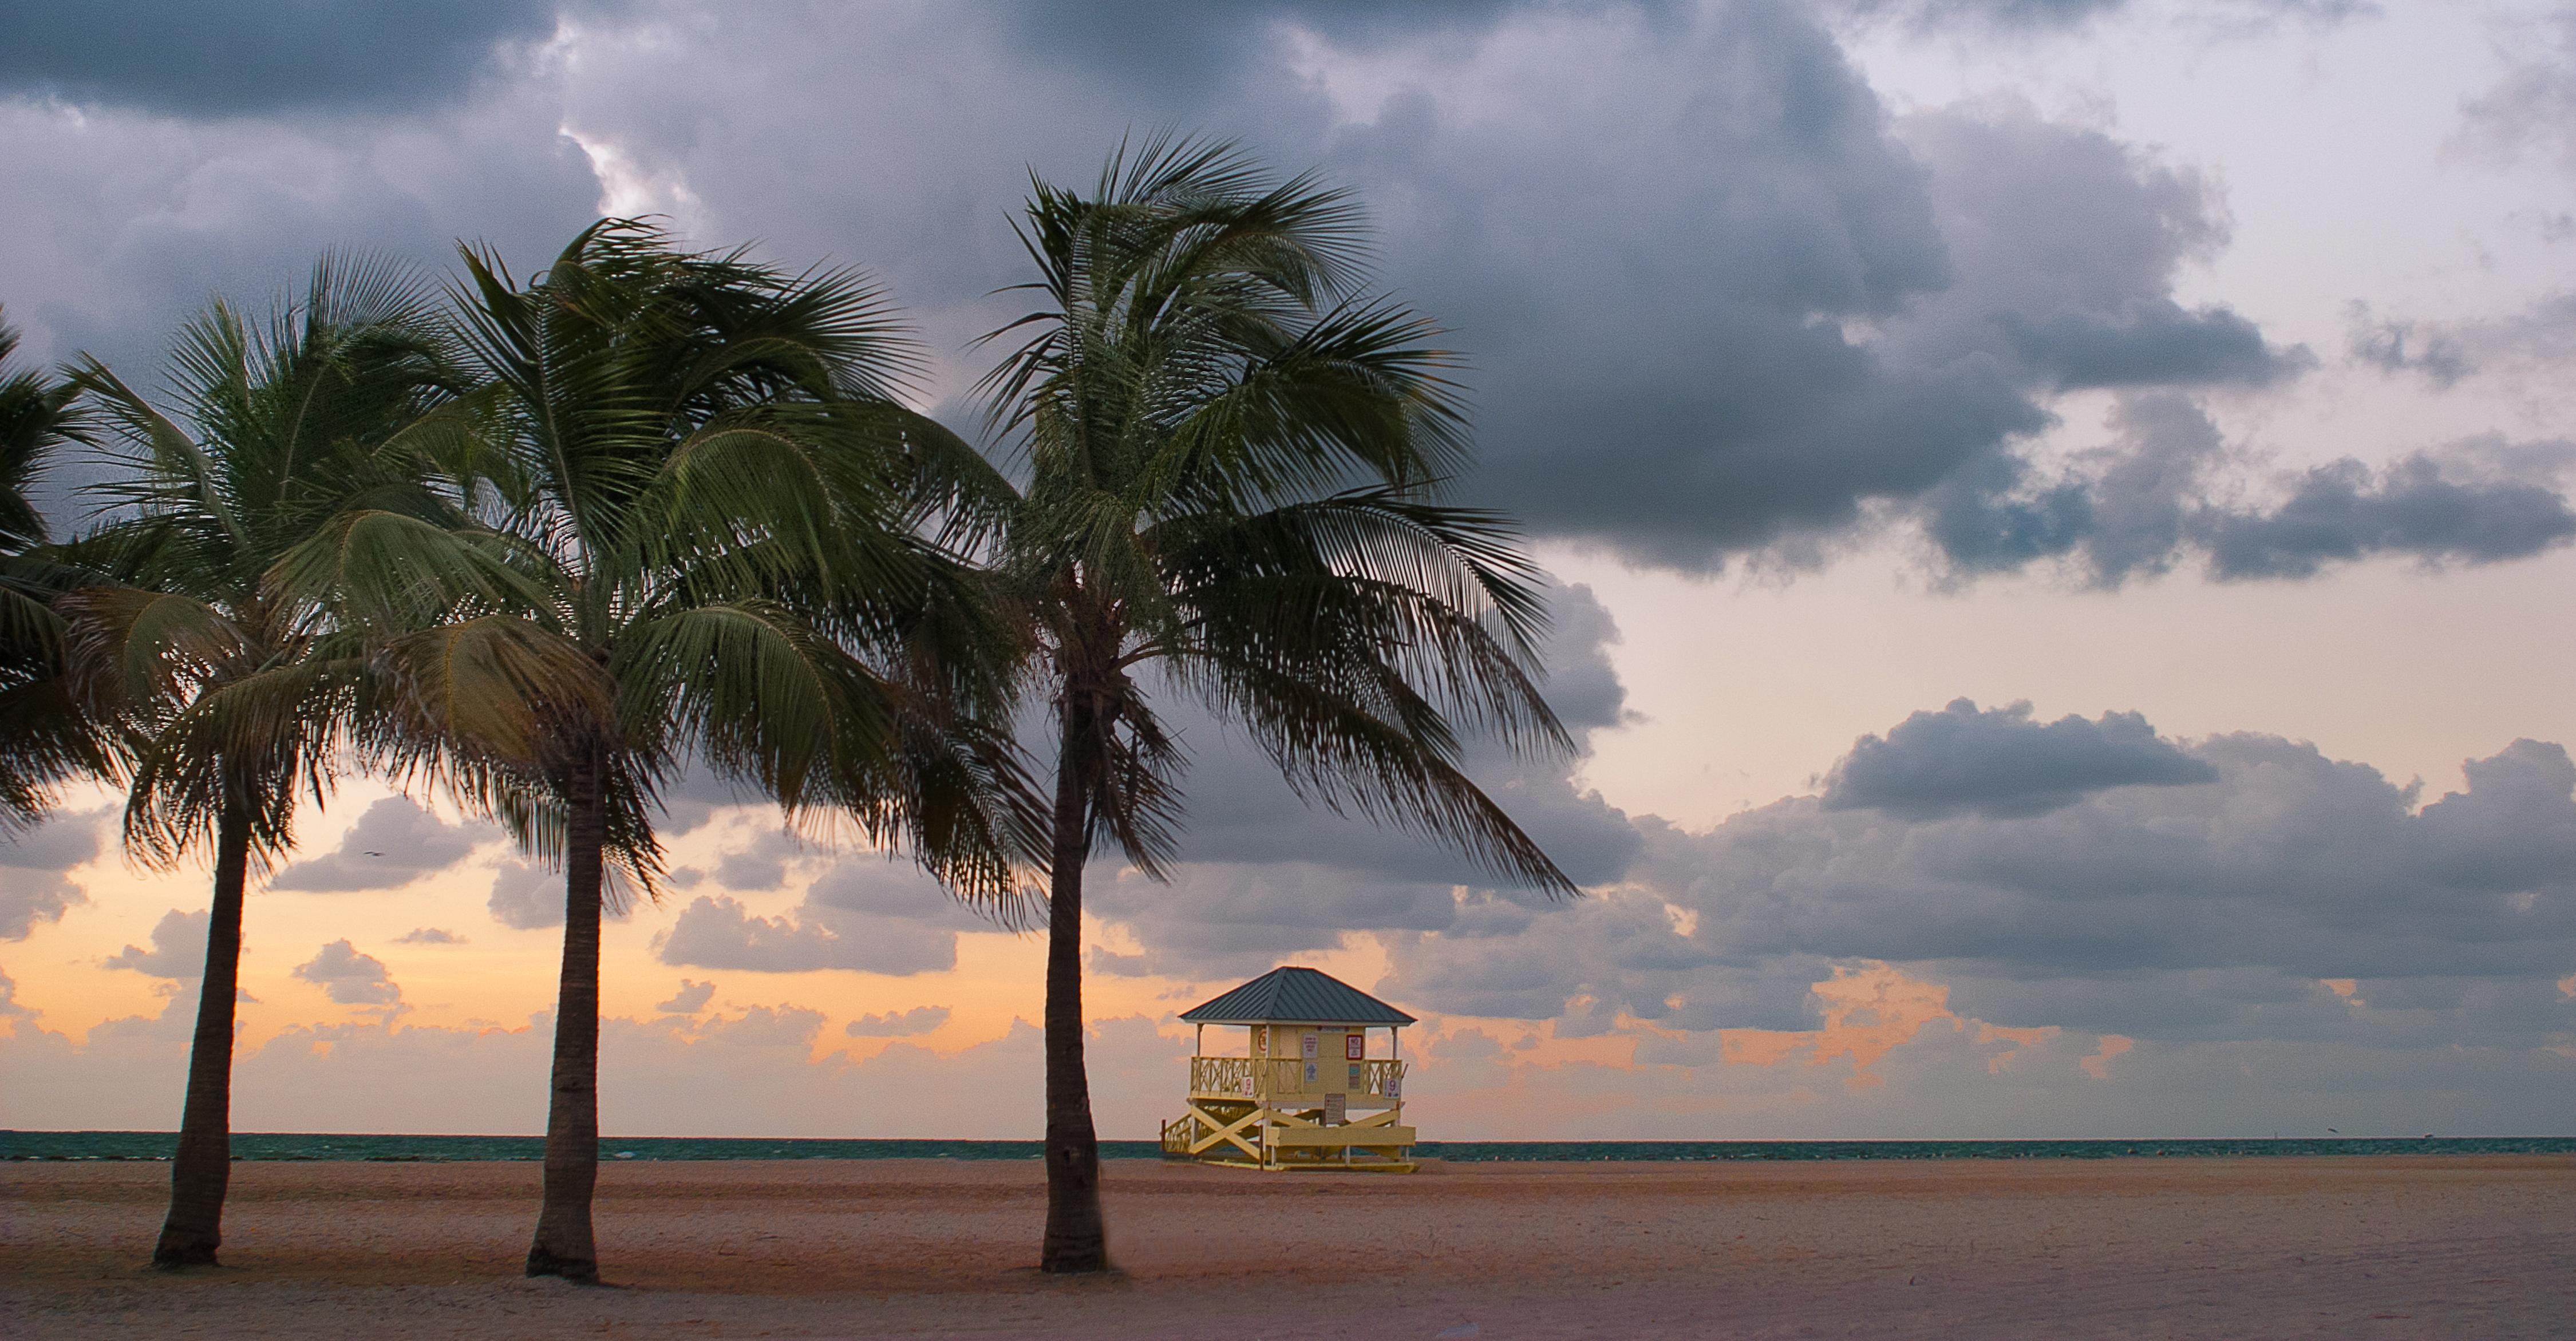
column 150, row 1145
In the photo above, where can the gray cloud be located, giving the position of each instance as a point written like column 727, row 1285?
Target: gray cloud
column 2001, row 763
column 1716, row 297
column 33, row 886
column 1787, row 336
column 867, row 914
column 1263, row 875
column 1681, row 284
column 178, row 948
column 2541, row 337
column 717, row 932
column 692, row 800
column 394, row 843
column 2136, row 508
column 2047, row 15
column 690, row 999
column 217, row 58
column 2418, row 506
column 529, row 896
column 2212, row 913
column 2065, row 244
column 2531, row 111
column 760, row 866
column 350, row 977
column 904, row 1024
column 429, row 936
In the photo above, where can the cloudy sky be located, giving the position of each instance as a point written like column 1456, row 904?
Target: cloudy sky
column 2061, row 511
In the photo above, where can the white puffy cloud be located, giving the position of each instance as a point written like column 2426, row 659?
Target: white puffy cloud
column 718, row 932
column 393, row 844
column 350, row 977
column 178, row 948
column 690, row 999
column 529, row 896
column 898, row 1024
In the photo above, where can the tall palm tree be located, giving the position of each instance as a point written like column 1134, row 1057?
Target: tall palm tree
column 45, row 737
column 704, row 530
column 1233, row 458
column 240, row 707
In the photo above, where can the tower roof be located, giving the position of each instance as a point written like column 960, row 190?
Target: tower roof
column 1299, row 996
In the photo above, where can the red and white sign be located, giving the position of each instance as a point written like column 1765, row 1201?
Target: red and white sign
column 1355, row 1046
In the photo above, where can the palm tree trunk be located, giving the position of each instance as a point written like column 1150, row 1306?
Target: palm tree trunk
column 202, row 1168
column 1076, row 1237
column 563, row 1245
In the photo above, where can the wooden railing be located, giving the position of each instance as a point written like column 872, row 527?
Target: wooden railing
column 1264, row 1077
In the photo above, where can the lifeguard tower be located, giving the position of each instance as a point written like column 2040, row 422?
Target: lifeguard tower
column 1305, row 1093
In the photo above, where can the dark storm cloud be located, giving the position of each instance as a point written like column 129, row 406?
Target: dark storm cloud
column 202, row 58
column 394, row 843
column 1715, row 297
column 1961, row 760
column 1652, row 272
column 1760, row 305
column 2211, row 911
column 1187, row 47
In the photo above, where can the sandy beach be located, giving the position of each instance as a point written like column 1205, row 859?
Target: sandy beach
column 2402, row 1247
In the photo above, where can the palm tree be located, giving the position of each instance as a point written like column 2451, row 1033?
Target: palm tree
column 1232, row 461
column 704, row 532
column 240, row 707
column 45, row 738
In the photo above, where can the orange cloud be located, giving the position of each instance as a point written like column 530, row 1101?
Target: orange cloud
column 2021, row 1039
column 2098, row 1065
column 1870, row 1011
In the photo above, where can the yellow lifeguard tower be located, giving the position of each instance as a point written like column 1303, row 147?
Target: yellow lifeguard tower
column 1305, row 1094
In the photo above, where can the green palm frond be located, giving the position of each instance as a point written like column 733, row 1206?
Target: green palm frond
column 325, row 419
column 1233, row 456
column 48, row 735
column 693, row 525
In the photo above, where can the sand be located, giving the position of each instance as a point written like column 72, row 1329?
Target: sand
column 2402, row 1247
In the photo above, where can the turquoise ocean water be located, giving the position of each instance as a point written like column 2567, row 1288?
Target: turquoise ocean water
column 149, row 1145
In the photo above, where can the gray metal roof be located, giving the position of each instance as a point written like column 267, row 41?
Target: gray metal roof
column 1296, row 995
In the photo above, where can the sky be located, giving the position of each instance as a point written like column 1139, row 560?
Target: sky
column 2059, row 513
